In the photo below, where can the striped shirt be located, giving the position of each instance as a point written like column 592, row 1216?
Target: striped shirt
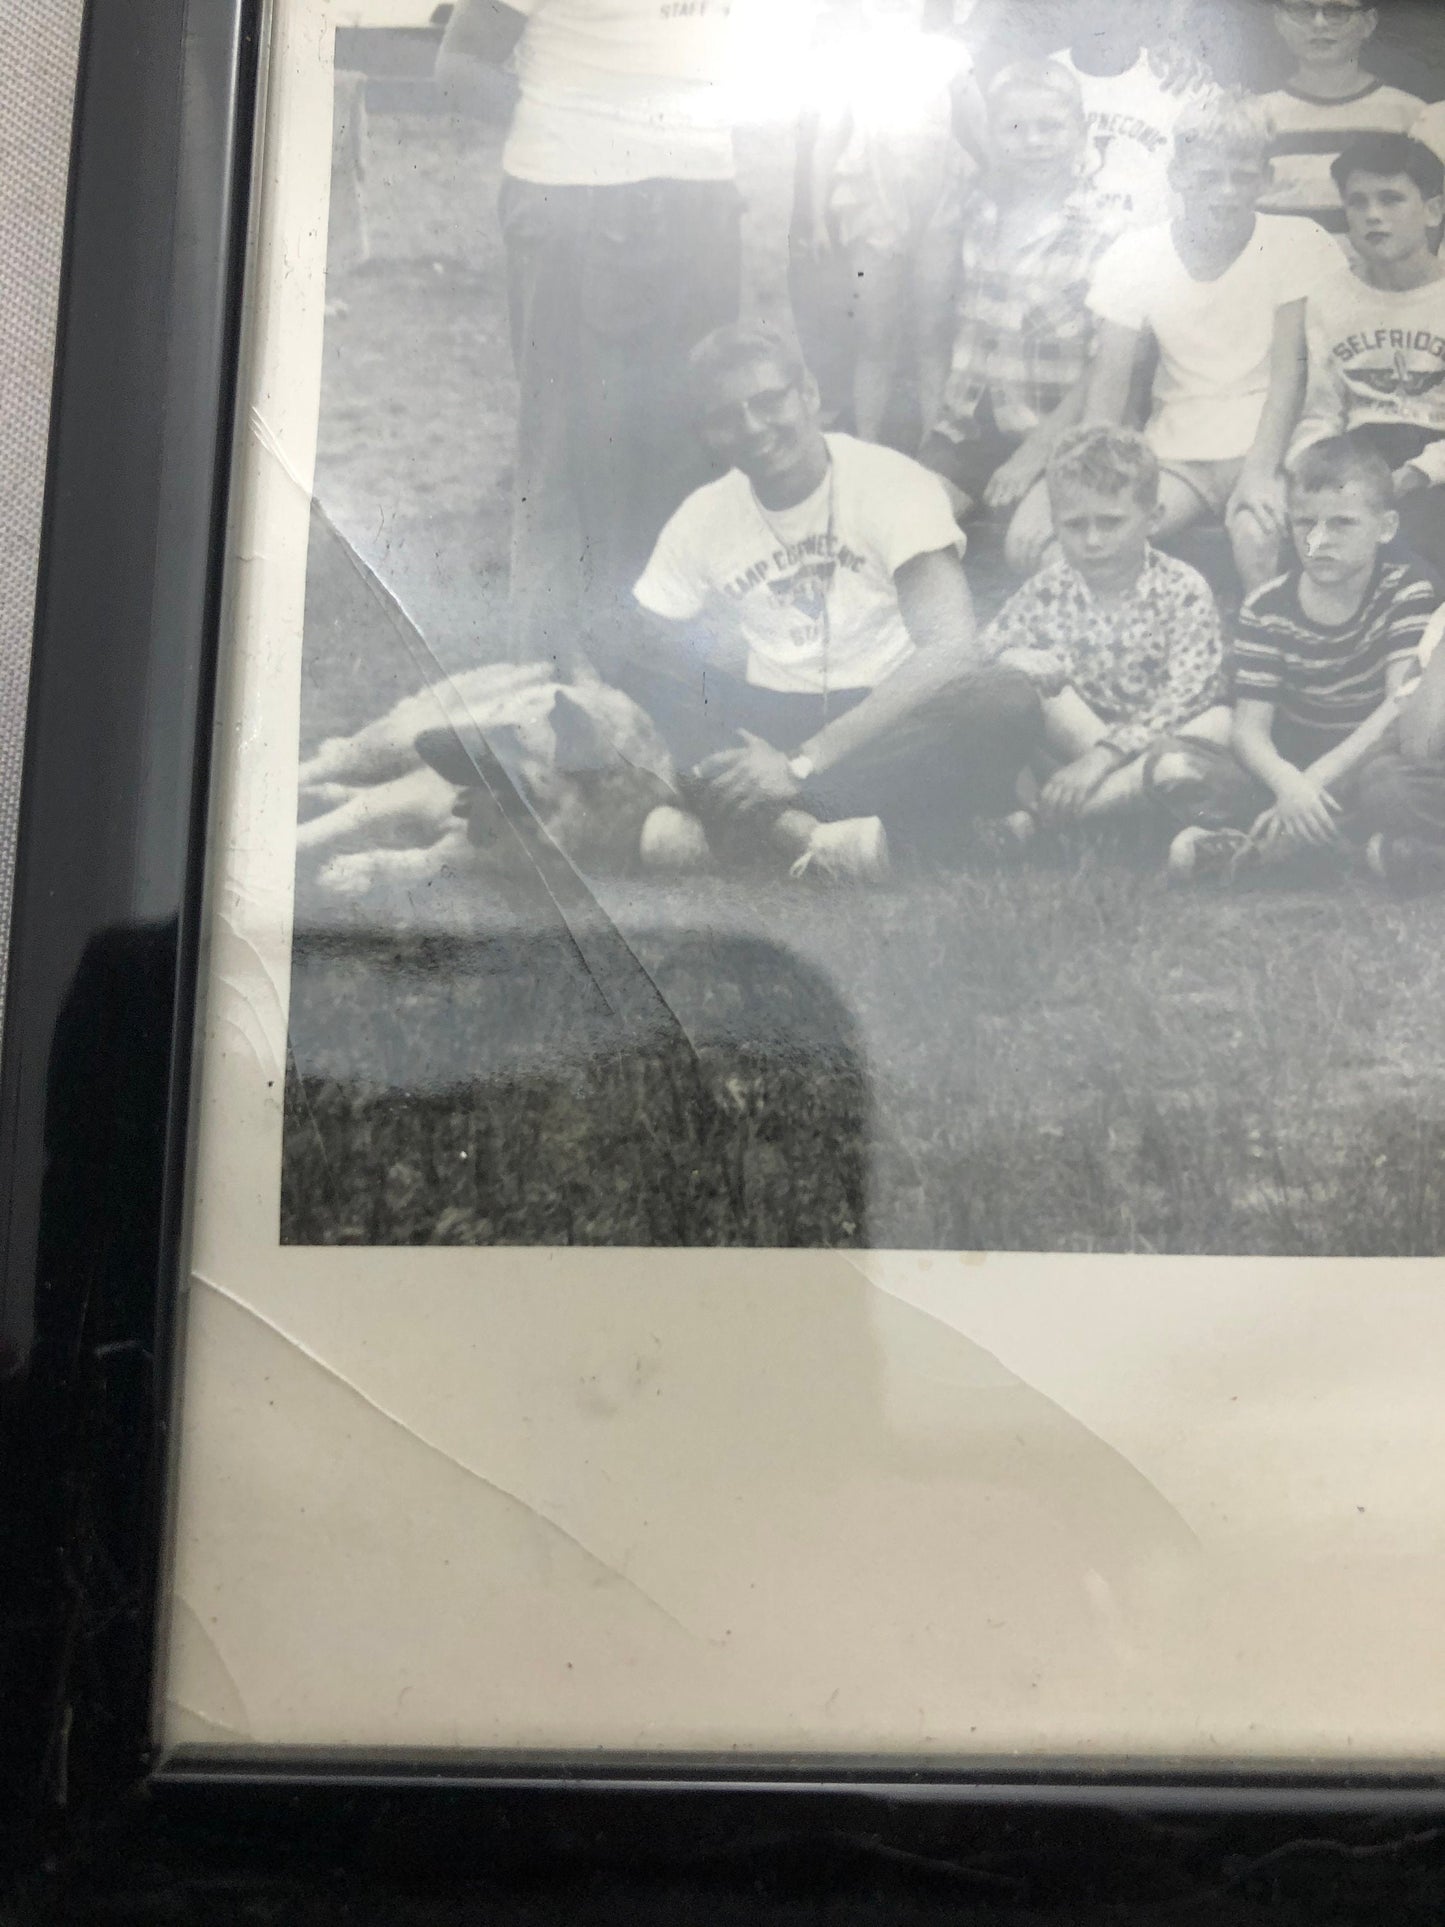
column 1310, row 133
column 1024, row 327
column 1325, row 680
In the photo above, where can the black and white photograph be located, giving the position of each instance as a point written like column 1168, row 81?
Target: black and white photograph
column 867, row 674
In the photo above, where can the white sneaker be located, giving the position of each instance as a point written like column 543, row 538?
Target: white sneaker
column 673, row 840
column 853, row 851
column 1198, row 852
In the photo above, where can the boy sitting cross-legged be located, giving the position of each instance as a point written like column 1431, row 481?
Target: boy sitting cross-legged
column 1122, row 642
column 1322, row 656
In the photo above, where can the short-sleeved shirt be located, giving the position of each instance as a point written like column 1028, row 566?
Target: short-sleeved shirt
column 1131, row 119
column 1324, row 681
column 1145, row 664
column 1377, row 363
column 613, row 91
column 1310, row 133
column 808, row 592
column 1024, row 329
column 1215, row 336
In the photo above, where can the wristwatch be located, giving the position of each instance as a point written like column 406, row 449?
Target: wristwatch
column 800, row 768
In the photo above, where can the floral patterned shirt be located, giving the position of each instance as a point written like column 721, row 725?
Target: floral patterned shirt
column 1145, row 665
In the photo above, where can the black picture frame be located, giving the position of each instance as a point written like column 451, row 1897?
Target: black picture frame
column 93, row 1121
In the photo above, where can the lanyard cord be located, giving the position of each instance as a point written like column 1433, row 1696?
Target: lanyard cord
column 831, row 541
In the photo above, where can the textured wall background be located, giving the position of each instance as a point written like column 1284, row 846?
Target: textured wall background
column 38, row 47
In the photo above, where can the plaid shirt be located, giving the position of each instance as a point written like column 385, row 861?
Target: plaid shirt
column 1024, row 327
column 1145, row 665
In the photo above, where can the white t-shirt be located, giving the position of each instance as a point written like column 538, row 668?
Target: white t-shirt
column 1376, row 360
column 1131, row 119
column 612, row 91
column 1214, row 337
column 807, row 592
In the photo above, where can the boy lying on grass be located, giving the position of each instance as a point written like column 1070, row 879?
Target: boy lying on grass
column 1322, row 656
column 1122, row 642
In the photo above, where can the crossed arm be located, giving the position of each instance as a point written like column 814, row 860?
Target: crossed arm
column 937, row 611
column 1304, row 809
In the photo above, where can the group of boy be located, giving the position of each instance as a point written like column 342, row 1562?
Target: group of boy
column 811, row 653
column 814, row 653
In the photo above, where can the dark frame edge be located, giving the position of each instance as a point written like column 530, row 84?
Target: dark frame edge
column 178, row 622
column 106, row 923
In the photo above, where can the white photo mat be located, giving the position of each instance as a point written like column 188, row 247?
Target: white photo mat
column 981, row 1508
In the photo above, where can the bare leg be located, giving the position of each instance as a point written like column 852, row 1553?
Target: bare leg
column 1256, row 551
column 1181, row 507
column 1124, row 789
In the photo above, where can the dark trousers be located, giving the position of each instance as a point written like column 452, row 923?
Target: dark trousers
column 1402, row 798
column 609, row 288
column 957, row 757
column 1192, row 782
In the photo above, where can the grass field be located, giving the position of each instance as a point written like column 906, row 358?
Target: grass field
column 1069, row 1057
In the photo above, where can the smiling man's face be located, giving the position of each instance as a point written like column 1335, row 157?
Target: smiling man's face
column 761, row 418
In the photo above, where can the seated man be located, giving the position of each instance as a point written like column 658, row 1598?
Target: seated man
column 1124, row 642
column 1376, row 334
column 1322, row 656
column 1033, row 230
column 813, row 661
column 1220, row 291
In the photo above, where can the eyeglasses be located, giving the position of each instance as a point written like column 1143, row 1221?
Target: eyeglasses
column 1334, row 13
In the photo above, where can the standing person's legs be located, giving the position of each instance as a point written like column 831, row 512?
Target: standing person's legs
column 880, row 282
column 935, row 286
column 660, row 268
column 540, row 230
column 609, row 289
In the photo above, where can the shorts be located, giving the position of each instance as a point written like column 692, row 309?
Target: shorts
column 1212, row 482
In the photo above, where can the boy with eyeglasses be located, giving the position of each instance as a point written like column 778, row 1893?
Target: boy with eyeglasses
column 1329, row 100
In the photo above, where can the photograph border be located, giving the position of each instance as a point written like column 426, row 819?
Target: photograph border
column 96, row 1144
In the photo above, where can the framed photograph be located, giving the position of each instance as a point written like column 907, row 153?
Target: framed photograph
column 725, row 1060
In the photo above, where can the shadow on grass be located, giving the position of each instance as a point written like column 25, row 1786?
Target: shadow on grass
column 501, row 1092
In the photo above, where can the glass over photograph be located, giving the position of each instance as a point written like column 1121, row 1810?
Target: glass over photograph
column 868, row 672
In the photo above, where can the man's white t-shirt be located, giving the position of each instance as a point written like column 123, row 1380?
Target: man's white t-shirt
column 1131, row 119
column 614, row 91
column 807, row 592
column 1214, row 337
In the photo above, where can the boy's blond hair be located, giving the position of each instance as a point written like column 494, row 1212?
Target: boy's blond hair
column 1224, row 123
column 1110, row 461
